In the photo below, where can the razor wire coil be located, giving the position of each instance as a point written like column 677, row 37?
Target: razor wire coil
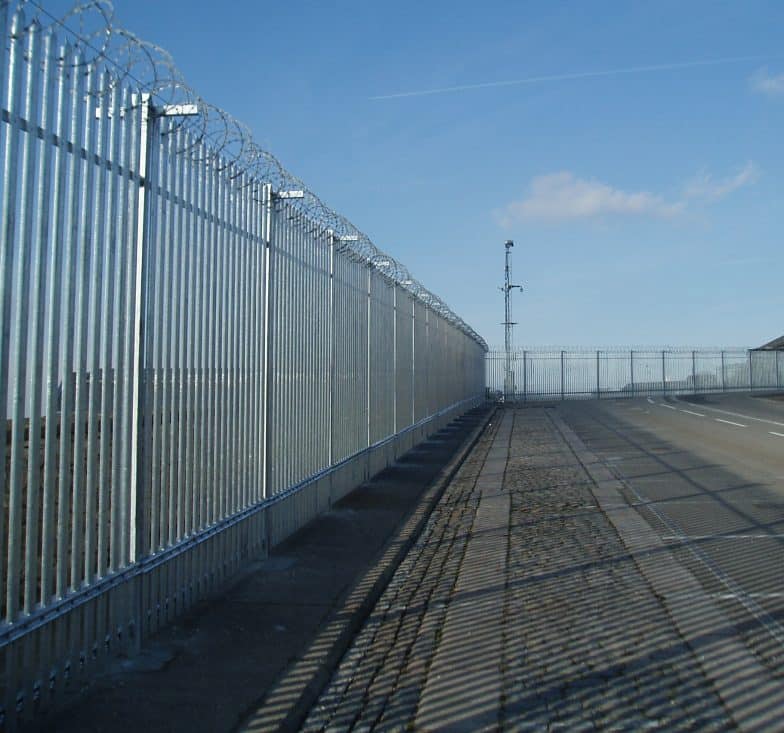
column 99, row 43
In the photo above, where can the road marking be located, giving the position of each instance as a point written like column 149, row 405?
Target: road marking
column 650, row 400
column 730, row 596
column 688, row 537
column 746, row 417
column 658, row 502
column 669, row 407
column 770, row 624
column 780, row 435
column 729, row 422
column 689, row 412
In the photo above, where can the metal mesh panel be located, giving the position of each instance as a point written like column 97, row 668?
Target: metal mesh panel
column 381, row 358
column 300, row 330
column 349, row 393
column 763, row 369
column 421, row 362
column 561, row 374
column 404, row 360
column 204, row 366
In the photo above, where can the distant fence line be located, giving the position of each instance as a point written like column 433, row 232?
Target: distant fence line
column 533, row 374
column 193, row 363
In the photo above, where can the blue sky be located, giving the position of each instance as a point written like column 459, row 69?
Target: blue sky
column 646, row 206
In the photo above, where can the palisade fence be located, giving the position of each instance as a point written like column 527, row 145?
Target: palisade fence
column 196, row 357
column 546, row 374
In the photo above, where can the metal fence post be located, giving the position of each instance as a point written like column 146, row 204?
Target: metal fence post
column 631, row 367
column 562, row 376
column 598, row 377
column 751, row 373
column 413, row 360
column 723, row 374
column 135, row 539
column 394, row 359
column 525, row 377
column 331, row 377
column 268, row 209
column 367, row 345
column 664, row 374
column 778, row 370
column 694, row 371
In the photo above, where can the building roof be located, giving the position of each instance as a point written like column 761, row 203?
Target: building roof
column 774, row 345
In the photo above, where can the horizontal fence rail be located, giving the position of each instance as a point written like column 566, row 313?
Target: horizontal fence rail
column 546, row 374
column 194, row 361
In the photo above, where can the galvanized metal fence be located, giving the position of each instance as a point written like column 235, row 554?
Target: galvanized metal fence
column 193, row 363
column 536, row 374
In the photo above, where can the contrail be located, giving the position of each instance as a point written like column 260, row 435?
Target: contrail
column 574, row 75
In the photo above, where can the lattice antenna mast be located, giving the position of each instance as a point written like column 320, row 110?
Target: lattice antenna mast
column 508, row 324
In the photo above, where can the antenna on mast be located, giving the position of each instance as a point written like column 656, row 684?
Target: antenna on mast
column 508, row 323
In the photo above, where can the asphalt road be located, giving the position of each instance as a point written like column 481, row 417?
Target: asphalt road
column 707, row 473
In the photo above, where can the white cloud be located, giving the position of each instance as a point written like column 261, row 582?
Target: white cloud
column 705, row 186
column 563, row 196
column 559, row 196
column 772, row 85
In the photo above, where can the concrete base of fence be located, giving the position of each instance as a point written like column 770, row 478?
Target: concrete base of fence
column 287, row 516
column 377, row 459
column 343, row 478
column 122, row 610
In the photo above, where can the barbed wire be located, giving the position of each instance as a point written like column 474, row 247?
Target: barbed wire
column 97, row 40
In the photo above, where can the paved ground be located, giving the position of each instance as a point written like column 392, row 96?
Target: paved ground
column 609, row 565
column 270, row 639
column 542, row 597
column 707, row 473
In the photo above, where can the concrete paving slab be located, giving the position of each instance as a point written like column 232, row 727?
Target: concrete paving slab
column 460, row 695
column 520, row 608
